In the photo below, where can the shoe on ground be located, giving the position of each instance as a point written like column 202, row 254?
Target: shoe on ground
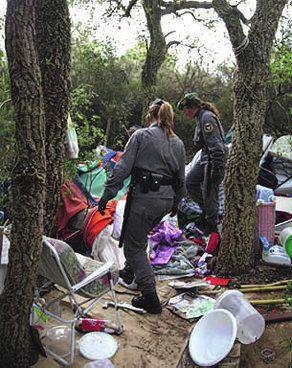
column 131, row 286
column 148, row 301
column 126, row 279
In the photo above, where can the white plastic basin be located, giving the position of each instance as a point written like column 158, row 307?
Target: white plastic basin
column 212, row 337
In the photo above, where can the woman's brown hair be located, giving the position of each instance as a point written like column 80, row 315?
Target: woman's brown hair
column 204, row 104
column 152, row 114
column 165, row 118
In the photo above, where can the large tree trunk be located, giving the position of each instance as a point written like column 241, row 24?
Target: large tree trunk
column 53, row 39
column 238, row 237
column 27, row 186
column 156, row 51
column 236, row 254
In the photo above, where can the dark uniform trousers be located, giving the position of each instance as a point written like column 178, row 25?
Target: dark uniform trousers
column 204, row 191
column 144, row 215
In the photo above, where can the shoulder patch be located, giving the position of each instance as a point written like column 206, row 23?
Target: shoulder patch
column 208, row 127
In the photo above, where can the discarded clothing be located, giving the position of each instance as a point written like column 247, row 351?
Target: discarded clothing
column 165, row 233
column 161, row 254
column 217, row 280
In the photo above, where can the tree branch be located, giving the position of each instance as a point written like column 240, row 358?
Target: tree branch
column 130, row 6
column 171, row 43
column 126, row 10
column 191, row 14
column 268, row 13
column 232, row 19
column 172, row 7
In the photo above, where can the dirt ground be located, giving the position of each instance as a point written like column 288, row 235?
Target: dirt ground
column 275, row 338
column 152, row 341
column 147, row 341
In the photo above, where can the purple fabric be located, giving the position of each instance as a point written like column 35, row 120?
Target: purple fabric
column 165, row 233
column 162, row 254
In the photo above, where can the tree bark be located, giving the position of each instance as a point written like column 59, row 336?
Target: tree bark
column 53, row 41
column 27, row 186
column 156, row 51
column 236, row 254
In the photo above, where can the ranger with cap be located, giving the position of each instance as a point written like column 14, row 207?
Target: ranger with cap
column 155, row 159
column 203, row 180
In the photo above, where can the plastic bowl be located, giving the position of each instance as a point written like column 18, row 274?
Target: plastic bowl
column 212, row 337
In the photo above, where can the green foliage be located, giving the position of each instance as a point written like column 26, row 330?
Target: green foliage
column 107, row 87
column 278, row 119
column 105, row 79
column 281, row 64
column 281, row 60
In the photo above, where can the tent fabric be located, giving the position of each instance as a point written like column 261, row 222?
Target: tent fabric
column 94, row 179
column 72, row 202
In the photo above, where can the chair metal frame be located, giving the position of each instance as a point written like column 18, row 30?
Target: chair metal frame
column 80, row 311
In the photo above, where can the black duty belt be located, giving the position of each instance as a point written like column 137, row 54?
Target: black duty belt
column 150, row 181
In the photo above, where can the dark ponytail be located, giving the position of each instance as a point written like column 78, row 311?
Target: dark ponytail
column 197, row 102
column 209, row 106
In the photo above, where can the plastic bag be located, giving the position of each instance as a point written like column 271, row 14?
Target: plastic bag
column 73, row 149
column 105, row 248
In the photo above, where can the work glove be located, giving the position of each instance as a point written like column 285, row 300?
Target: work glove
column 102, row 205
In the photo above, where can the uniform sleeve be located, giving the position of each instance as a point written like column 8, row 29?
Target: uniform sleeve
column 122, row 168
column 213, row 141
column 180, row 192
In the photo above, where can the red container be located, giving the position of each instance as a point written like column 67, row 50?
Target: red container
column 92, row 324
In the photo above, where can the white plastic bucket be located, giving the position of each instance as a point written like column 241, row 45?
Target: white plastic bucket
column 286, row 240
column 250, row 323
column 212, row 337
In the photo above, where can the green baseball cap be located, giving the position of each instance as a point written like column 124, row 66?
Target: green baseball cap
column 185, row 101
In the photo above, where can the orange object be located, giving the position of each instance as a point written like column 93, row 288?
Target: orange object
column 95, row 222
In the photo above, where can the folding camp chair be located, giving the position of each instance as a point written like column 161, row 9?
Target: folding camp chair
column 88, row 278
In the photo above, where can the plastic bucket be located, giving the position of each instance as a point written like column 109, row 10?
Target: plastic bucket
column 58, row 340
column 286, row 240
column 212, row 338
column 250, row 323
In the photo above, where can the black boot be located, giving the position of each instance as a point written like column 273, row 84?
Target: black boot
column 149, row 301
